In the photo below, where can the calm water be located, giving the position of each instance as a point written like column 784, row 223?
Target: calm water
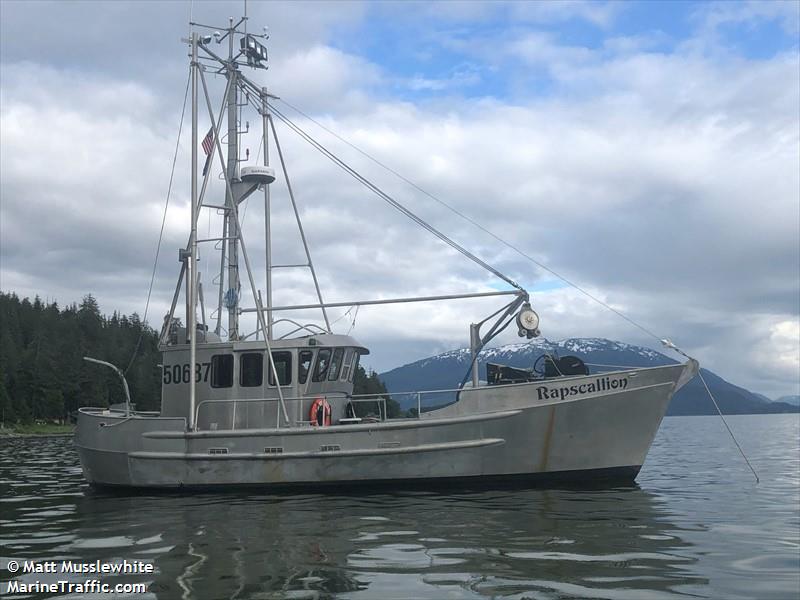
column 696, row 526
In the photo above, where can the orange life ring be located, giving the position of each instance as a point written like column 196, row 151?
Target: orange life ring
column 320, row 413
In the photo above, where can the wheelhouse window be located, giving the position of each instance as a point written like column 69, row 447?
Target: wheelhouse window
column 355, row 366
column 304, row 365
column 283, row 365
column 323, row 364
column 348, row 363
column 336, row 363
column 251, row 371
column 222, row 370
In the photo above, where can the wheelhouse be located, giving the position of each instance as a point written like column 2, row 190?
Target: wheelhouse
column 236, row 387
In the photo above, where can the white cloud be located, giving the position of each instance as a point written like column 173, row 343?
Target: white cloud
column 713, row 15
column 317, row 74
column 668, row 181
column 779, row 355
column 601, row 14
column 461, row 77
column 597, row 13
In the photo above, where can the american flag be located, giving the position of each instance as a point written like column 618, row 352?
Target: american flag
column 208, row 146
column 208, row 141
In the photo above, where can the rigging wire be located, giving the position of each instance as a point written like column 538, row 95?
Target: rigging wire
column 353, row 322
column 390, row 200
column 349, row 312
column 473, row 222
column 161, row 233
column 342, row 316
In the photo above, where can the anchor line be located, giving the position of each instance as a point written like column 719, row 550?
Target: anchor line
column 733, row 437
column 669, row 344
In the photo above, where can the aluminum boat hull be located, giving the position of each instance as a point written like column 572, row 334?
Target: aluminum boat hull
column 570, row 428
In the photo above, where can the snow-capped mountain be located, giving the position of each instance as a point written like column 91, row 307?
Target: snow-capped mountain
column 446, row 371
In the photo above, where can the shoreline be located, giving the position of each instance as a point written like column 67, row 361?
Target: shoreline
column 11, row 433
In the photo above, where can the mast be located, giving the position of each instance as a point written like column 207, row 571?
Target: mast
column 191, row 317
column 232, row 295
column 267, row 222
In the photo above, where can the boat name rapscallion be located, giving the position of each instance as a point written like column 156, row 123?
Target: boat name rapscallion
column 601, row 384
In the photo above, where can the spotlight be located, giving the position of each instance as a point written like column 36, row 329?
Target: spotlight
column 255, row 51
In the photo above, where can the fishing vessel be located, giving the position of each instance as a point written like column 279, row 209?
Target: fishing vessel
column 274, row 406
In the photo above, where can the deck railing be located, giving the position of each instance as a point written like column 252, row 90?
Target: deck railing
column 204, row 407
column 425, row 400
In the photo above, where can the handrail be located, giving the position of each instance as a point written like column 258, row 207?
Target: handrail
column 358, row 398
column 382, row 397
column 149, row 415
column 622, row 367
column 121, row 376
column 306, row 327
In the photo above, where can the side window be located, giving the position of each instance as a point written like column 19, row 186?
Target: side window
column 355, row 366
column 348, row 359
column 336, row 362
column 304, row 365
column 323, row 362
column 251, row 371
column 283, row 365
column 222, row 370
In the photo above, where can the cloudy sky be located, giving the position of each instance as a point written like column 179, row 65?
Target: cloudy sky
column 646, row 151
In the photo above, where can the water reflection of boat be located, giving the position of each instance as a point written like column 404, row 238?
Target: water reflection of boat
column 576, row 543
column 280, row 411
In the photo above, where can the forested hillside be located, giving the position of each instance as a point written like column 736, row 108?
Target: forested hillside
column 42, row 373
column 370, row 383
column 43, row 376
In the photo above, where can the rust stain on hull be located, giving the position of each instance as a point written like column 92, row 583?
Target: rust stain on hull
column 548, row 436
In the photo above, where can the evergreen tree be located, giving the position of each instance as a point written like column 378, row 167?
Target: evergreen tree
column 42, row 372
column 364, row 383
column 6, row 409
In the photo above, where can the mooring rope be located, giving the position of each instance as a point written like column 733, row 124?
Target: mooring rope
column 613, row 366
column 733, row 437
column 669, row 344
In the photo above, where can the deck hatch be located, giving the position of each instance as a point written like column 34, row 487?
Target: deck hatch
column 217, row 450
column 388, row 444
column 330, row 448
column 273, row 450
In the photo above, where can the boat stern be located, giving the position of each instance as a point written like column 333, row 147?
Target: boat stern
column 105, row 439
